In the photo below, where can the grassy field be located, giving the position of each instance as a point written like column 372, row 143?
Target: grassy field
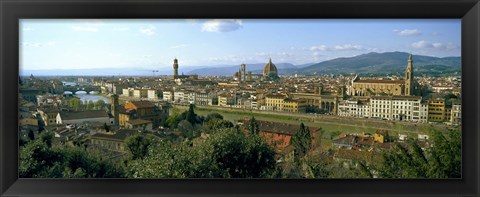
column 331, row 126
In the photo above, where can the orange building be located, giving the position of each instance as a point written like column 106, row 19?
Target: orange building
column 144, row 110
column 279, row 135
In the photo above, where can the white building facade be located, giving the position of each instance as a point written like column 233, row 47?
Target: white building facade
column 403, row 108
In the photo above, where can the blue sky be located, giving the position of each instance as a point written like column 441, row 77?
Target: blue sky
column 153, row 44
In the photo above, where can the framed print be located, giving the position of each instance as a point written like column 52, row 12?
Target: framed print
column 239, row 98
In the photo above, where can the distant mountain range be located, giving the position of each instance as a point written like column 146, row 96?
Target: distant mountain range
column 389, row 62
column 373, row 63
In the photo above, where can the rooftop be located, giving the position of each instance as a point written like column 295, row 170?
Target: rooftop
column 380, row 81
column 83, row 114
column 116, row 135
column 142, row 104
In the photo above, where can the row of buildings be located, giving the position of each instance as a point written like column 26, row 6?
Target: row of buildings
column 391, row 98
column 403, row 108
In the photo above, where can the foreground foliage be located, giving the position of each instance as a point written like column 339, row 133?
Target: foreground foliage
column 440, row 160
column 38, row 159
column 227, row 153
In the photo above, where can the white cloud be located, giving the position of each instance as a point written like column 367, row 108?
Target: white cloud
column 284, row 54
column 347, row 47
column 262, row 54
column 38, row 44
column 231, row 58
column 407, row 32
column 222, row 25
column 84, row 29
column 319, row 48
column 149, row 31
column 433, row 45
column 27, row 29
column 436, row 33
column 178, row 46
column 121, row 29
column 342, row 47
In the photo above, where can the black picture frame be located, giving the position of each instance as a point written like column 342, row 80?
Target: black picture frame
column 13, row 10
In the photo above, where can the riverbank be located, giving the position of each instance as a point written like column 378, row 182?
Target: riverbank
column 331, row 125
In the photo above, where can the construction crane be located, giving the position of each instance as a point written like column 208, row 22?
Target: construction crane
column 154, row 71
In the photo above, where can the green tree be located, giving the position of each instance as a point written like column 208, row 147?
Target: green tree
column 100, row 104
column 36, row 158
column 47, row 138
column 315, row 167
column 186, row 128
column 174, row 119
column 213, row 116
column 440, row 160
column 22, row 140
column 31, row 135
column 216, row 124
column 168, row 160
column 75, row 103
column 191, row 116
column 225, row 154
column 40, row 123
column 106, row 127
column 138, row 145
column 302, row 142
column 159, row 93
column 240, row 155
column 90, row 105
column 253, row 126
column 450, row 96
column 39, row 160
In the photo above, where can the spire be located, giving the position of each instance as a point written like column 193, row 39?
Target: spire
column 410, row 57
column 270, row 62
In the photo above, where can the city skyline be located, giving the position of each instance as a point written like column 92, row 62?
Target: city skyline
column 152, row 44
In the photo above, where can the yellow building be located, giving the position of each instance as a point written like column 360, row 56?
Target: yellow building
column 225, row 100
column 436, row 110
column 274, row 102
column 48, row 115
column 138, row 110
column 280, row 102
column 140, row 93
column 294, row 105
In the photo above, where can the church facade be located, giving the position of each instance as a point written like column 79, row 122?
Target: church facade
column 381, row 87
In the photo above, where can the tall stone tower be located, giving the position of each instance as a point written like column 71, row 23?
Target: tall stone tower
column 409, row 77
column 115, row 112
column 243, row 73
column 175, row 67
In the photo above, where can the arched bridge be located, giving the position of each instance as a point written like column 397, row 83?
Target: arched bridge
column 87, row 89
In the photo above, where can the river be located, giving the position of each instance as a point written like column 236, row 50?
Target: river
column 93, row 96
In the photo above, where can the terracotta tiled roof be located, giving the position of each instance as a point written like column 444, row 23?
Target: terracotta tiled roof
column 275, row 96
column 143, row 104
column 138, row 121
column 380, row 81
column 119, row 135
column 397, row 97
column 355, row 155
column 83, row 115
column 347, row 140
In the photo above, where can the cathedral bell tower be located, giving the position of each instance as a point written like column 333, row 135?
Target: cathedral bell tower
column 175, row 67
column 409, row 77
